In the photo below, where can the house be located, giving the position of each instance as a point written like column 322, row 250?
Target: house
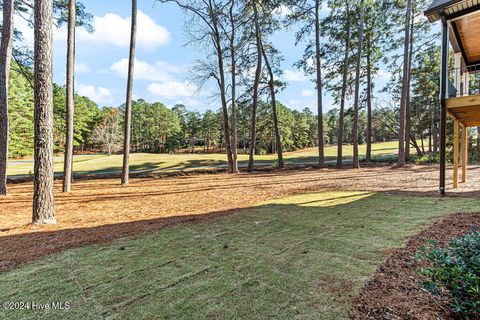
column 460, row 85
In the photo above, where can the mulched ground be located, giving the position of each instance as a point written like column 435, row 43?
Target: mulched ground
column 395, row 291
column 99, row 210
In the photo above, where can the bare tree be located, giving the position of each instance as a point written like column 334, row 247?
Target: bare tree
column 5, row 56
column 128, row 104
column 356, row 107
column 109, row 132
column 43, row 200
column 70, row 95
column 209, row 12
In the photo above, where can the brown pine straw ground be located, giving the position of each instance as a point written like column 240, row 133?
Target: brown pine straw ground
column 100, row 210
column 395, row 291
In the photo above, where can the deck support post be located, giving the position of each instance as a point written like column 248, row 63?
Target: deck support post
column 455, row 153
column 458, row 74
column 464, row 153
column 443, row 107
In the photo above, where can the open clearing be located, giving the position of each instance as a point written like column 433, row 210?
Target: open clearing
column 146, row 162
column 294, row 255
column 298, row 257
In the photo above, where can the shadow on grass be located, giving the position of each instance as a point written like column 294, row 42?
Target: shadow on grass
column 20, row 248
column 310, row 251
column 183, row 166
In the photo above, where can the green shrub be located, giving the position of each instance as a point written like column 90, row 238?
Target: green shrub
column 383, row 158
column 455, row 271
column 426, row 159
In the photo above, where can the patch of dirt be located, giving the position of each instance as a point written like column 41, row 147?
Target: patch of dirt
column 98, row 210
column 395, row 291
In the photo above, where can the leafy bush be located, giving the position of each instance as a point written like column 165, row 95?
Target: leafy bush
column 385, row 158
column 455, row 271
column 426, row 159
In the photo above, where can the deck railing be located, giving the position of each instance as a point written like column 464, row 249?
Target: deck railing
column 464, row 81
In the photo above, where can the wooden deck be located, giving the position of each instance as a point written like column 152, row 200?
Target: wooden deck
column 465, row 109
column 465, row 112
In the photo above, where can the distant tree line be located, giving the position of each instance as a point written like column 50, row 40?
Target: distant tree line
column 159, row 129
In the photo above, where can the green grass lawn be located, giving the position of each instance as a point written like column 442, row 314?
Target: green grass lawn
column 301, row 257
column 172, row 162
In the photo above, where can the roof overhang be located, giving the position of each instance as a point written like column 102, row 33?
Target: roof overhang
column 463, row 18
column 451, row 9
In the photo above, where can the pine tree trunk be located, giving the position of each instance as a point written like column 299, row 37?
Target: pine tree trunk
column 321, row 144
column 222, row 87
column 403, row 101
column 341, row 118
column 356, row 159
column 234, row 91
column 5, row 56
column 408, row 120
column 253, row 128
column 43, row 200
column 368, row 155
column 70, row 106
column 128, row 103
column 271, row 85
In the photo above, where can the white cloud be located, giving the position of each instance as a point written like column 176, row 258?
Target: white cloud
column 385, row 75
column 110, row 29
column 307, row 93
column 294, row 76
column 82, row 68
column 325, row 9
column 283, row 11
column 158, row 71
column 98, row 94
column 171, row 89
column 190, row 102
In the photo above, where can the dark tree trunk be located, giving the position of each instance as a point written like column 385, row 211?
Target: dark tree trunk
column 368, row 155
column 222, row 87
column 408, row 120
column 415, row 145
column 271, row 85
column 128, row 103
column 70, row 106
column 5, row 56
column 402, row 142
column 234, row 91
column 321, row 146
column 253, row 129
column 43, row 200
column 356, row 159
column 341, row 118
column 423, row 144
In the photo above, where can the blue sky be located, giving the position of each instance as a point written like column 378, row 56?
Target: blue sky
column 163, row 61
